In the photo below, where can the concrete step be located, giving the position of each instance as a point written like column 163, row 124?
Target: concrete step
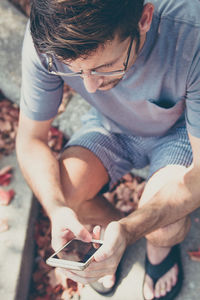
column 17, row 244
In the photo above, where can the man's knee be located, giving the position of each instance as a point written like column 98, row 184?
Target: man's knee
column 159, row 179
column 171, row 234
column 82, row 175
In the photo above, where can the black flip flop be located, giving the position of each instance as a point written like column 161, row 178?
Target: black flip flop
column 157, row 271
column 101, row 289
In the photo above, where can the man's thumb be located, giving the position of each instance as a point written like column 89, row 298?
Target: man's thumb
column 109, row 244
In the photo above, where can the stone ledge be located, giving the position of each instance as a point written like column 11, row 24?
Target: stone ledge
column 16, row 250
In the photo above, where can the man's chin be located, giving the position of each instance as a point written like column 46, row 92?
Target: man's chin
column 106, row 88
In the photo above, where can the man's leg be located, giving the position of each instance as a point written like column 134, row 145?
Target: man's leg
column 83, row 176
column 160, row 241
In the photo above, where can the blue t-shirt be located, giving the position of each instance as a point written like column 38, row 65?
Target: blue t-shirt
column 161, row 89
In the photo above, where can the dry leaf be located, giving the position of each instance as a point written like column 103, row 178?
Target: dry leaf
column 6, row 196
column 194, row 255
column 3, row 225
column 5, row 170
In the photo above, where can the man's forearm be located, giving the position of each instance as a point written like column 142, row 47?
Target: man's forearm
column 41, row 171
column 171, row 203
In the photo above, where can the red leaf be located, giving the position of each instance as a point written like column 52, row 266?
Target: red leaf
column 5, row 170
column 72, row 284
column 194, row 255
column 128, row 177
column 6, row 196
column 5, row 179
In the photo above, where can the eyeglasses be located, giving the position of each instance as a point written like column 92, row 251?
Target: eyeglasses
column 92, row 72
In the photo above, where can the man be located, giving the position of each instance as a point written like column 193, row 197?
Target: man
column 138, row 65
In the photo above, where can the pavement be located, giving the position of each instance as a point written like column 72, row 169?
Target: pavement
column 17, row 244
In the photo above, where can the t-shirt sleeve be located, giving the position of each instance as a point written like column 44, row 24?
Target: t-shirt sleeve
column 41, row 92
column 193, row 96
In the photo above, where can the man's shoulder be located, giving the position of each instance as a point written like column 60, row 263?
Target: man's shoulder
column 30, row 54
column 185, row 11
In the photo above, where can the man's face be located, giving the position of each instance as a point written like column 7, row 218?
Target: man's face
column 109, row 58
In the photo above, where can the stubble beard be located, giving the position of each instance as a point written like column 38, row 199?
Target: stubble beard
column 110, row 84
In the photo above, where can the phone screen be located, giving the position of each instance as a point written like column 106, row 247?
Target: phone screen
column 78, row 251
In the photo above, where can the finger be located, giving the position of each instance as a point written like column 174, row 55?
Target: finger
column 65, row 218
column 80, row 231
column 111, row 243
column 59, row 239
column 96, row 232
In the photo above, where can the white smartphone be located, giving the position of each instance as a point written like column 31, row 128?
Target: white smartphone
column 75, row 255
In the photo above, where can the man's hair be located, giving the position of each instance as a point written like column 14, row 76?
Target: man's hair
column 69, row 29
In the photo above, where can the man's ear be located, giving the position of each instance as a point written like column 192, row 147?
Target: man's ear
column 146, row 18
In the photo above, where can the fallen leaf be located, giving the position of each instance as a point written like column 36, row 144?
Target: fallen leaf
column 6, row 196
column 5, row 170
column 57, row 289
column 194, row 255
column 5, row 125
column 3, row 225
column 56, row 139
column 5, row 179
column 72, row 284
column 128, row 177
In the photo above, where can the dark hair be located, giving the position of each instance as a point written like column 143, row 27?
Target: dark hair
column 69, row 29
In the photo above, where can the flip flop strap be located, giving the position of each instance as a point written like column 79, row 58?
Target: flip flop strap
column 157, row 271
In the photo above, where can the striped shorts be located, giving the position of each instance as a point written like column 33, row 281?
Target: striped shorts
column 120, row 152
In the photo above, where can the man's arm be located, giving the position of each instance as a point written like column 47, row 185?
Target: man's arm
column 41, row 170
column 39, row 166
column 172, row 202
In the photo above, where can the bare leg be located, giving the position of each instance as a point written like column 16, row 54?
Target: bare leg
column 83, row 176
column 160, row 241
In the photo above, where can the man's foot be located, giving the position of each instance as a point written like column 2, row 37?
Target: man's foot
column 166, row 282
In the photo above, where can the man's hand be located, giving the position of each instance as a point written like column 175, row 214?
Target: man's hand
column 66, row 226
column 106, row 259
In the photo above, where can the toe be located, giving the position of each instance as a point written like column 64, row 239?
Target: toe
column 166, row 283
column 157, row 290
column 148, row 290
column 160, row 288
column 174, row 276
column 169, row 285
column 163, row 289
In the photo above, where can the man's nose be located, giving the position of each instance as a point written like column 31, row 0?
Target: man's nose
column 92, row 83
